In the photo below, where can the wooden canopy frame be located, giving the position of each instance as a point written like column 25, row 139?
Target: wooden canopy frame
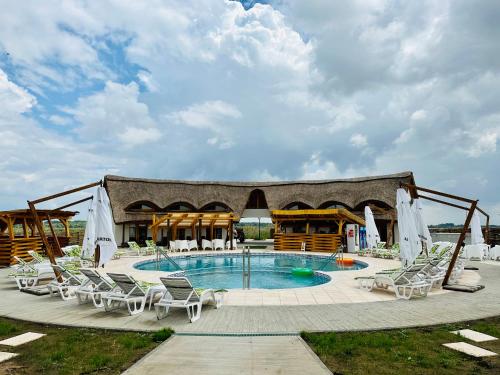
column 414, row 193
column 38, row 222
column 194, row 220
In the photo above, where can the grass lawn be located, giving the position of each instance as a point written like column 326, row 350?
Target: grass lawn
column 415, row 351
column 75, row 350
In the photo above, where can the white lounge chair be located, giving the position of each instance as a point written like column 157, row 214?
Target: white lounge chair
column 28, row 275
column 193, row 245
column 127, row 292
column 70, row 283
column 218, row 244
column 495, row 253
column 405, row 284
column 180, row 293
column 206, row 244
column 94, row 288
column 235, row 244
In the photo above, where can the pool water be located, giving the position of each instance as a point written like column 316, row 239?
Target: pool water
column 268, row 271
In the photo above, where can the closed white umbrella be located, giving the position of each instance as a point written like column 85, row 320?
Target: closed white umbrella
column 372, row 236
column 476, row 235
column 104, row 235
column 409, row 242
column 88, row 247
column 423, row 230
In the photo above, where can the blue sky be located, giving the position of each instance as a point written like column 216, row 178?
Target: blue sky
column 274, row 90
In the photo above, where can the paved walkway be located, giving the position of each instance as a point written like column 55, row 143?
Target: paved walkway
column 434, row 309
column 231, row 355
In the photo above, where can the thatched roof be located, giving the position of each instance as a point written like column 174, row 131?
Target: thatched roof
column 351, row 192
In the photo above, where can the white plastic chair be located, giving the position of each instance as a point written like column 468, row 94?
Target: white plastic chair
column 218, row 244
column 193, row 245
column 206, row 244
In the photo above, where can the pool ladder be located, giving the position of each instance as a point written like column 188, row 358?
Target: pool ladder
column 160, row 253
column 246, row 267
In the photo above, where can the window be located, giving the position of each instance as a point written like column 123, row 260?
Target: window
column 216, row 207
column 180, row 206
column 257, row 200
column 131, row 232
column 142, row 206
column 297, row 206
column 332, row 204
column 218, row 233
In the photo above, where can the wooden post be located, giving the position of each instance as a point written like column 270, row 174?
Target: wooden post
column 199, row 231
column 10, row 225
column 25, row 228
column 459, row 242
column 45, row 241
column 54, row 234
column 231, row 236
column 307, row 227
column 168, row 232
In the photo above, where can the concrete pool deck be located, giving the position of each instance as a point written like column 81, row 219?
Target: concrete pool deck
column 436, row 308
column 341, row 289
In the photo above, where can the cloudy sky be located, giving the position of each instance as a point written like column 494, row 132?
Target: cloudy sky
column 290, row 89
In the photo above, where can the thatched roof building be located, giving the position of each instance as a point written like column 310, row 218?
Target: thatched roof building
column 134, row 199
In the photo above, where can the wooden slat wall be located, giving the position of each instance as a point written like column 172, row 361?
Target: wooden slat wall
column 20, row 246
column 314, row 242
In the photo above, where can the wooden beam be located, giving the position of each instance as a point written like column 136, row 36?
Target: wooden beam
column 73, row 203
column 45, row 241
column 54, row 234
column 435, row 192
column 80, row 188
column 460, row 241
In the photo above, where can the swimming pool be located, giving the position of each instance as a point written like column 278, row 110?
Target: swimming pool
column 268, row 271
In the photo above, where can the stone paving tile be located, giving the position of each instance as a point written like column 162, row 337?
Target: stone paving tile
column 22, row 339
column 469, row 349
column 474, row 335
column 5, row 356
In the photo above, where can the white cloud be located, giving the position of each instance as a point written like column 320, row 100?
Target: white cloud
column 277, row 84
column 60, row 120
column 358, row 140
column 207, row 115
column 136, row 136
column 115, row 114
column 13, row 99
column 317, row 169
column 482, row 144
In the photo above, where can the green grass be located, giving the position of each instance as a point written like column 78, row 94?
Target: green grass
column 416, row 351
column 76, row 350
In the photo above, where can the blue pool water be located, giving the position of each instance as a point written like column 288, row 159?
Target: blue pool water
column 269, row 271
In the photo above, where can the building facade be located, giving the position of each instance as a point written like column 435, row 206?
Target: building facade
column 134, row 201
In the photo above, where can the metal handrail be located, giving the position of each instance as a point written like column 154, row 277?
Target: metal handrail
column 334, row 256
column 246, row 267
column 160, row 252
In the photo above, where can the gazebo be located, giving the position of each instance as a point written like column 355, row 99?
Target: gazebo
column 19, row 233
column 201, row 224
column 320, row 230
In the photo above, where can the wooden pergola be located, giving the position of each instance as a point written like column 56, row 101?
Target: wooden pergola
column 17, row 244
column 195, row 221
column 326, row 242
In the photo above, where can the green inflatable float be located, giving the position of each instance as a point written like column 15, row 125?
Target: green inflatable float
column 302, row 272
